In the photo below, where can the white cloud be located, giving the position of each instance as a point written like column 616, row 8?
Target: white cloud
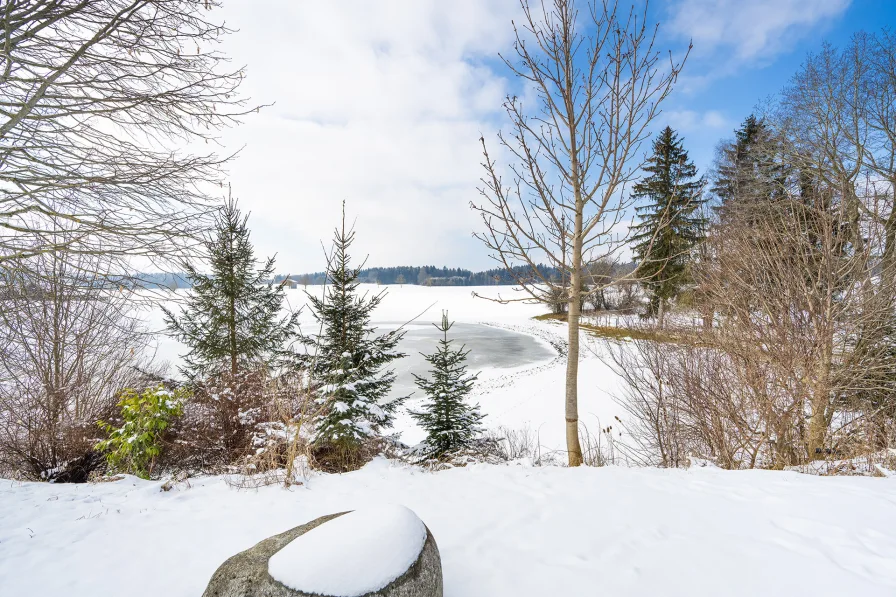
column 733, row 33
column 378, row 103
column 690, row 121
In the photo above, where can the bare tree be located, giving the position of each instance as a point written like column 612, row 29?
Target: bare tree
column 838, row 114
column 597, row 97
column 98, row 98
column 68, row 344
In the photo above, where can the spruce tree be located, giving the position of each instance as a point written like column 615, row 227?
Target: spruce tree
column 670, row 224
column 347, row 360
column 748, row 169
column 231, row 321
column 450, row 423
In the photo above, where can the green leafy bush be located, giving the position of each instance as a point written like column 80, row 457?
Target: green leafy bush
column 134, row 446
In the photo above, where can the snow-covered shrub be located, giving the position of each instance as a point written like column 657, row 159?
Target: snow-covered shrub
column 507, row 444
column 220, row 420
column 134, row 444
column 249, row 423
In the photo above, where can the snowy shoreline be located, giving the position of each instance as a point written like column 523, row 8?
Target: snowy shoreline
column 503, row 530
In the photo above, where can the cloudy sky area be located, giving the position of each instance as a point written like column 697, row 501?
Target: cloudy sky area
column 381, row 103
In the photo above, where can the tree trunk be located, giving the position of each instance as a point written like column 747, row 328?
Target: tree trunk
column 707, row 318
column 661, row 313
column 573, row 447
column 817, row 431
column 232, row 322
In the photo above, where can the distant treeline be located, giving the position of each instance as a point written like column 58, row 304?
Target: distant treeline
column 160, row 280
column 428, row 275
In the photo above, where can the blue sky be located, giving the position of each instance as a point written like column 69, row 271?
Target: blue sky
column 382, row 104
column 735, row 94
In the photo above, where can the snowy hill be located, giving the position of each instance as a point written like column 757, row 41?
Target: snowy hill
column 511, row 531
column 503, row 530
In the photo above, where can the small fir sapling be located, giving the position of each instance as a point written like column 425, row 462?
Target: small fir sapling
column 232, row 320
column 450, row 422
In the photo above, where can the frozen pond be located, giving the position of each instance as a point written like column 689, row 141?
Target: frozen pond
column 489, row 347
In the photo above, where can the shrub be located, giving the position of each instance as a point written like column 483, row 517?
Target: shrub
column 134, row 446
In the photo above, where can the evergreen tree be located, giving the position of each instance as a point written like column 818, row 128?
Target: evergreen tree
column 670, row 224
column 450, row 422
column 347, row 359
column 749, row 169
column 232, row 319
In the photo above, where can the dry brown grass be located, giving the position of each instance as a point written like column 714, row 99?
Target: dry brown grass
column 677, row 336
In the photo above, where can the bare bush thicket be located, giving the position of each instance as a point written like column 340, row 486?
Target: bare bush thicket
column 801, row 365
column 68, row 345
column 687, row 401
column 251, row 422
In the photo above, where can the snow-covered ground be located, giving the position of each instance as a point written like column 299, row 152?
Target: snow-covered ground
column 503, row 531
column 512, row 530
column 521, row 377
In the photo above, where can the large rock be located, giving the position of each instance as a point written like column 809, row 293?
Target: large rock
column 246, row 573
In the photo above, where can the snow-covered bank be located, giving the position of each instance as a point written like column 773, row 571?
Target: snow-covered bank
column 502, row 531
column 528, row 395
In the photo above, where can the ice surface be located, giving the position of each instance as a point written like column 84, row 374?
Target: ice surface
column 490, row 347
column 356, row 553
column 401, row 304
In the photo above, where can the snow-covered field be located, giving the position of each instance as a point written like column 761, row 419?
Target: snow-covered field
column 526, row 394
column 512, row 530
column 503, row 531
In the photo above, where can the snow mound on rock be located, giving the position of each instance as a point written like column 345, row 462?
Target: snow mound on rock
column 354, row 554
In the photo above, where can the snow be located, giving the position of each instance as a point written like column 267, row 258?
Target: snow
column 502, row 531
column 521, row 380
column 356, row 553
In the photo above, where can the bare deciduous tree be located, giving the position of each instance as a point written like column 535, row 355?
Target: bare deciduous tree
column 597, row 97
column 839, row 116
column 98, row 99
column 68, row 344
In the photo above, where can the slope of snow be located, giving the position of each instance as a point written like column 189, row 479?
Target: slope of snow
column 403, row 303
column 530, row 395
column 354, row 554
column 503, row 531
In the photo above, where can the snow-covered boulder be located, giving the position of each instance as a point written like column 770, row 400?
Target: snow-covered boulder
column 384, row 551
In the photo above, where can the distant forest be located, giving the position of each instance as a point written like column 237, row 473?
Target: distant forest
column 428, row 275
column 161, row 280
